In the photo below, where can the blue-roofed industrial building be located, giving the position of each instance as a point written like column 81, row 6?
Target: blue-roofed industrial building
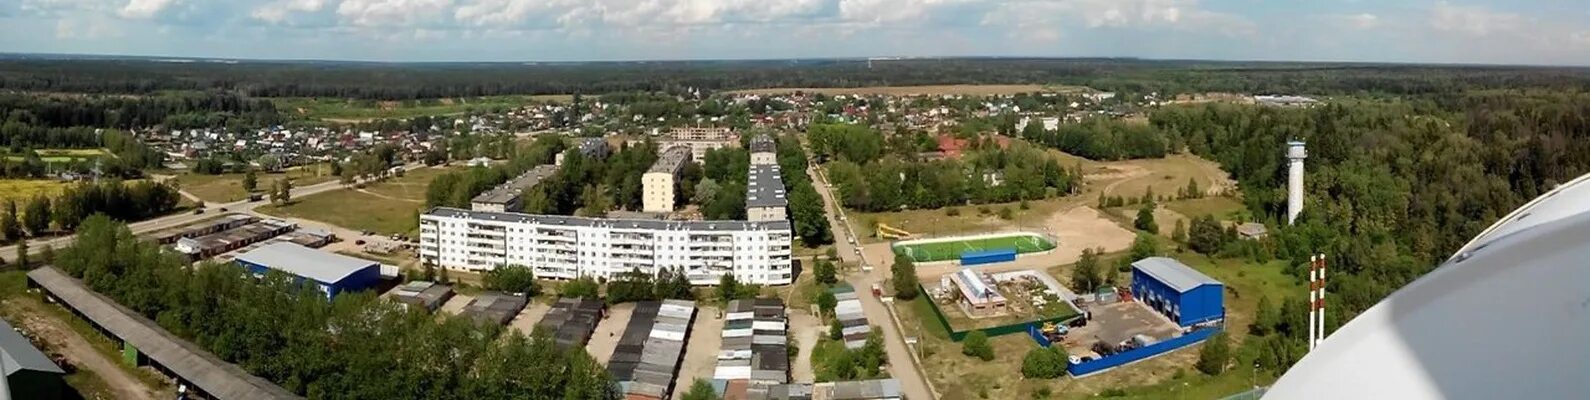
column 28, row 373
column 334, row 273
column 1183, row 294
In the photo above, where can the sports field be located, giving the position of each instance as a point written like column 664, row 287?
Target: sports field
column 944, row 250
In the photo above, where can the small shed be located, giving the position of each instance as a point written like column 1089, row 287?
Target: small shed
column 426, row 294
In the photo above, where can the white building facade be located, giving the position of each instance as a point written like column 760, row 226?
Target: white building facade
column 562, row 247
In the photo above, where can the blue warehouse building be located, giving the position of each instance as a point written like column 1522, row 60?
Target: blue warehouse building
column 1177, row 291
column 334, row 273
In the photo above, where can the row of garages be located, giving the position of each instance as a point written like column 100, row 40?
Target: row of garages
column 755, row 343
column 848, row 314
column 647, row 359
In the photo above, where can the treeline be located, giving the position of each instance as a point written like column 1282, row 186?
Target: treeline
column 985, row 174
column 1105, row 139
column 455, row 189
column 430, row 80
column 182, row 110
column 41, row 216
column 355, row 346
column 1393, row 187
column 806, row 210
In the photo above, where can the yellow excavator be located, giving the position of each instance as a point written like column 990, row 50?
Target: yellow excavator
column 888, row 232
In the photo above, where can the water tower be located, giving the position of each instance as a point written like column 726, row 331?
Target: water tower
column 1294, row 182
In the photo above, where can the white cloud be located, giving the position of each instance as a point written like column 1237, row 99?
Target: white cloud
column 1044, row 17
column 395, row 13
column 1364, row 21
column 144, row 9
column 1473, row 20
column 281, row 11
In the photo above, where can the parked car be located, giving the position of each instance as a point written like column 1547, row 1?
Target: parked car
column 198, row 211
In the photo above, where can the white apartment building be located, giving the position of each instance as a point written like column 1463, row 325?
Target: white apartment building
column 657, row 184
column 763, row 150
column 563, row 247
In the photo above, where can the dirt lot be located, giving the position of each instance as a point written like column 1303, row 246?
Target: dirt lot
column 1165, row 175
column 971, row 90
column 526, row 321
column 1114, row 323
column 77, row 349
column 701, row 354
column 605, row 339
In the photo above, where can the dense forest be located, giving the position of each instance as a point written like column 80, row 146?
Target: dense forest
column 355, row 346
column 1394, row 187
column 432, row 80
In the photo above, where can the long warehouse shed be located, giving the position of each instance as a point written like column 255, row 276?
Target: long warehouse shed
column 187, row 362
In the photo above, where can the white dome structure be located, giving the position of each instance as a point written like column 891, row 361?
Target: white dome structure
column 1506, row 317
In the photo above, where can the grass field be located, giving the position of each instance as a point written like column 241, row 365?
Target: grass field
column 56, row 156
column 1223, row 208
column 226, row 188
column 386, row 208
column 20, row 190
column 950, row 250
column 359, row 110
column 970, row 90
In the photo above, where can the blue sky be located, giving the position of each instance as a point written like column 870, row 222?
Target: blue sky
column 1554, row 32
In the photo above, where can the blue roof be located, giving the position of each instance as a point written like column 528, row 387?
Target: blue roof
column 1173, row 273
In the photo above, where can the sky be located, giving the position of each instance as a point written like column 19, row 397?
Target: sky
column 1531, row 32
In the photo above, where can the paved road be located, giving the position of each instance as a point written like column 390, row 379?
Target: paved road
column 901, row 365
column 9, row 252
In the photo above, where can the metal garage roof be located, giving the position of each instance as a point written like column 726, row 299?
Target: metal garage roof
column 17, row 353
column 302, row 261
column 1173, row 273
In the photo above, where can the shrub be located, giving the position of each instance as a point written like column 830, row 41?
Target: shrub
column 976, row 345
column 1041, row 363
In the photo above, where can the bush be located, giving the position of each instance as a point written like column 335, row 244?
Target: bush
column 1041, row 363
column 1006, row 213
column 976, row 345
column 952, row 211
column 1213, row 357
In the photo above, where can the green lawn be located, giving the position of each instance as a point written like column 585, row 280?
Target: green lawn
column 950, row 250
column 226, row 188
column 1223, row 208
column 355, row 210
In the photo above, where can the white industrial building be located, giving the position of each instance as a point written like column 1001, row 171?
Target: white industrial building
column 563, row 247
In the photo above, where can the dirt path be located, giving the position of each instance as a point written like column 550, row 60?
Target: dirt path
column 78, row 351
column 701, row 354
column 805, row 327
column 387, row 197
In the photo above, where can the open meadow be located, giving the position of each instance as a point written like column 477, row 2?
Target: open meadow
column 20, row 190
column 386, row 208
column 226, row 188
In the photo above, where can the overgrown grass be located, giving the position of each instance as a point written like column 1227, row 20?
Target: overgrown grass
column 226, row 188
column 355, row 210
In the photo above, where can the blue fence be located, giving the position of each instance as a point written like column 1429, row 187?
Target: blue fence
column 1037, row 336
column 977, row 257
column 1141, row 353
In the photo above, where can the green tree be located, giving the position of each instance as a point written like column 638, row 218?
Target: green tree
column 836, row 331
column 905, row 281
column 976, row 345
column 1143, row 246
column 1044, row 363
column 826, row 303
column 511, row 278
column 47, row 254
column 824, row 271
column 9, row 225
column 701, row 390
column 1179, row 234
column 37, row 219
column 582, row 287
column 1265, row 318
column 1085, row 275
column 728, row 288
column 1214, row 356
column 1145, row 218
column 22, row 254
column 250, row 181
column 1205, row 235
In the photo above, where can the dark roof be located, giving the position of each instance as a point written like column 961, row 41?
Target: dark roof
column 1173, row 273
column 18, row 354
column 495, row 307
column 195, row 365
column 765, row 187
column 721, row 226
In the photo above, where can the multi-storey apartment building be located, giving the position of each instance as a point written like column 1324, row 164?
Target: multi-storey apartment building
column 563, row 247
column 657, row 185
